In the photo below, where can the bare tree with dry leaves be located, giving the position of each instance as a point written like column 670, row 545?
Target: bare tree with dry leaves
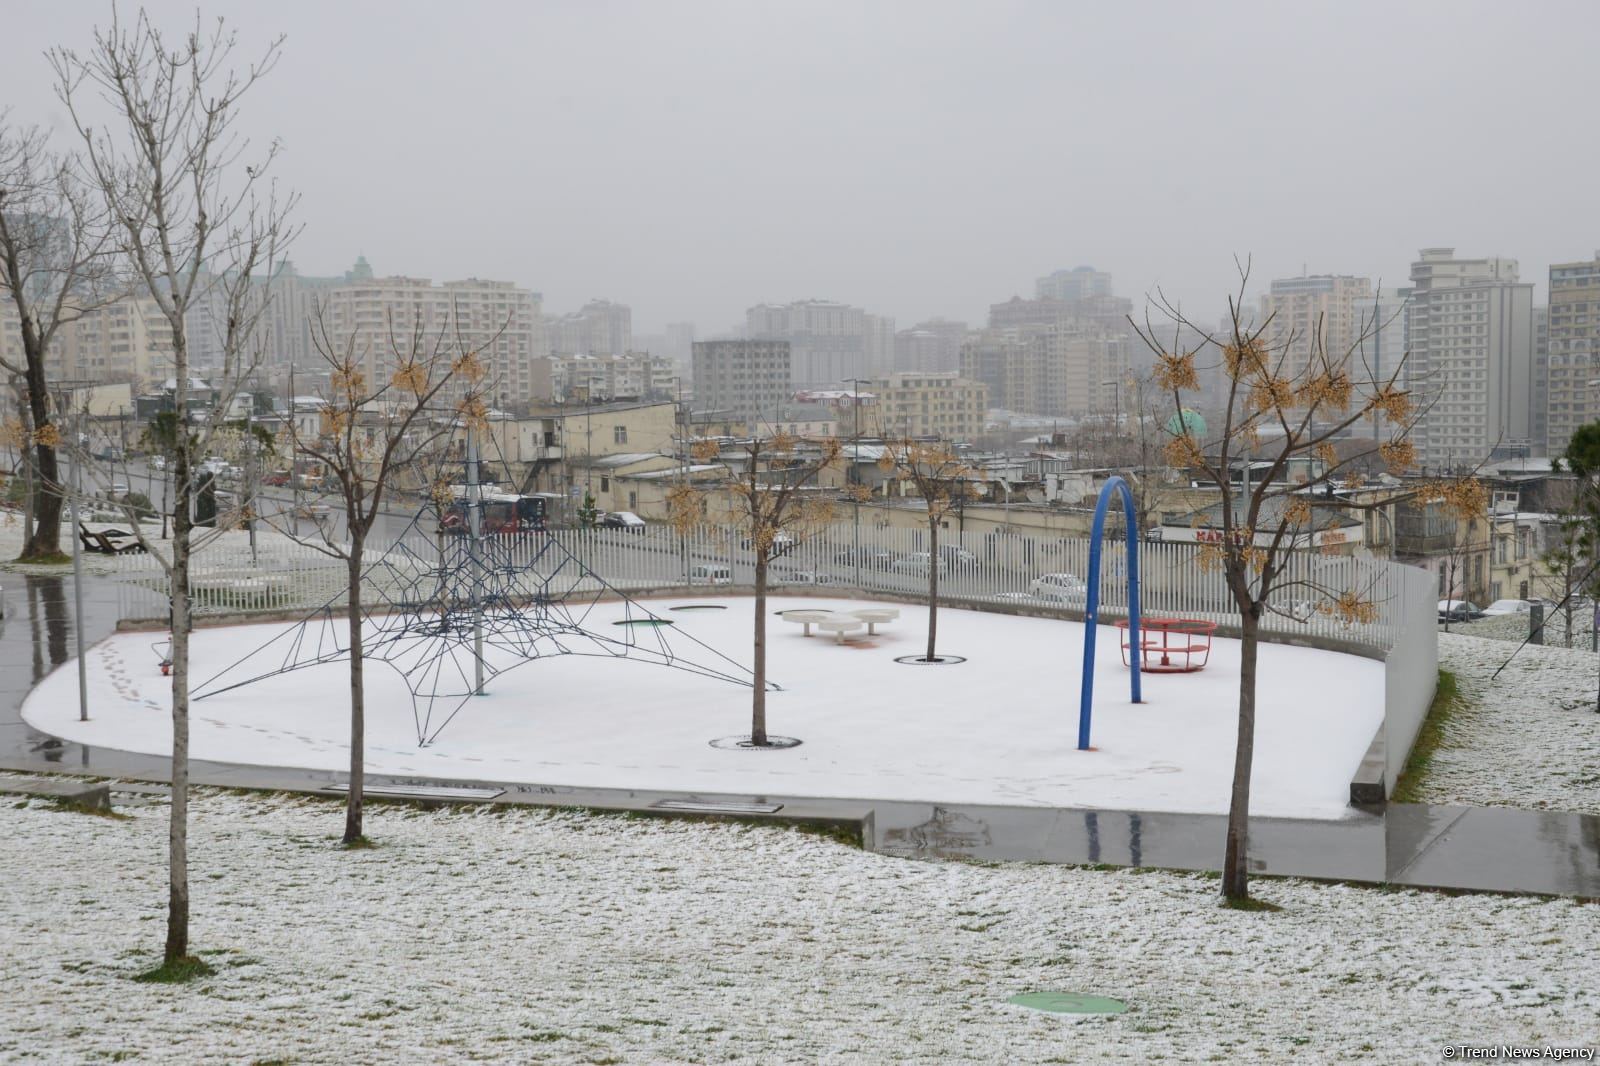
column 774, row 500
column 1288, row 399
column 194, row 221
column 382, row 413
column 54, row 268
column 941, row 478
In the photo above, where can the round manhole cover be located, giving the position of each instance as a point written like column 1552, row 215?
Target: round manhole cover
column 645, row 622
column 1068, row 1003
column 937, row 660
column 700, row 607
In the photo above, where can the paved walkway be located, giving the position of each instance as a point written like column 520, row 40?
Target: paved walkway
column 1472, row 848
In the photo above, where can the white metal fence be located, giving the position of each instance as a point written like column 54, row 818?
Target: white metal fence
column 284, row 575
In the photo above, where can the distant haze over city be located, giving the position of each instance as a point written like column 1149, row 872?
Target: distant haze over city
column 918, row 160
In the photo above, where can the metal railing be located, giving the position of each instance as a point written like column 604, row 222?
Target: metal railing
column 1023, row 571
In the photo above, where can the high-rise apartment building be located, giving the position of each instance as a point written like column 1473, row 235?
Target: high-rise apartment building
column 931, row 345
column 916, row 404
column 1071, row 367
column 496, row 318
column 1574, row 350
column 596, row 378
column 1073, row 286
column 1541, row 380
column 829, row 342
column 749, row 377
column 599, row 327
column 1471, row 358
column 1321, row 312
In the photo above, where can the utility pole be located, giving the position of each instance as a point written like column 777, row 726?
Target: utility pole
column 77, row 586
column 855, row 472
column 474, row 530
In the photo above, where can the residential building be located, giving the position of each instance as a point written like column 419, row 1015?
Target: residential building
column 597, row 378
column 829, row 342
column 749, row 377
column 495, row 318
column 1324, row 313
column 126, row 341
column 943, row 405
column 1068, row 367
column 1471, row 358
column 1541, row 380
column 599, row 327
column 1073, row 286
column 1574, row 350
column 930, row 346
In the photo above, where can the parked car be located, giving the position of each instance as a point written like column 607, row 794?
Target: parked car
column 158, row 462
column 870, row 558
column 710, row 574
column 277, row 478
column 956, row 556
column 626, row 520
column 1500, row 607
column 917, row 563
column 1068, row 588
column 1458, row 611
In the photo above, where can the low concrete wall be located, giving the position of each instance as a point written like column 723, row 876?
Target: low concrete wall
column 1411, row 667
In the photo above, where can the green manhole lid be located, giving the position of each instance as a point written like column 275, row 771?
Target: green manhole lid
column 645, row 622
column 1068, row 1003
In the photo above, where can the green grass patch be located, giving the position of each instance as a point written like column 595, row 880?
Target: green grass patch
column 1250, row 903
column 1447, row 699
column 177, row 971
column 360, row 843
column 46, row 559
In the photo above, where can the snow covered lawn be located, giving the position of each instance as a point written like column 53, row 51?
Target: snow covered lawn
column 531, row 936
column 1000, row 728
column 1529, row 738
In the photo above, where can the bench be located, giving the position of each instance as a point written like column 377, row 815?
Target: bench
column 876, row 616
column 97, row 541
column 840, row 626
column 807, row 618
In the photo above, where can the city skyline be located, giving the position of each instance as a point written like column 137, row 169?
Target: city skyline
column 915, row 162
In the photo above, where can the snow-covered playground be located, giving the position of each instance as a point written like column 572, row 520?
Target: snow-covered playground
column 999, row 728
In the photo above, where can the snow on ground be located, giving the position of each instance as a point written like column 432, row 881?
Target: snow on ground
column 1529, row 738
column 1000, row 728
column 531, row 936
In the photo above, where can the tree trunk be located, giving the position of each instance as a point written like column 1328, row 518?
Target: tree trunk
column 1235, row 859
column 758, row 696
column 358, row 700
column 178, row 827
column 933, row 585
column 45, row 539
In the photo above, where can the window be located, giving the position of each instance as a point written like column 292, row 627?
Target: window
column 605, row 484
column 619, row 434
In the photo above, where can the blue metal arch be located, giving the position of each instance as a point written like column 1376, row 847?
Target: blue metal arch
column 1092, row 608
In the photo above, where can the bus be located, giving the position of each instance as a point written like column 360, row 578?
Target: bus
column 502, row 514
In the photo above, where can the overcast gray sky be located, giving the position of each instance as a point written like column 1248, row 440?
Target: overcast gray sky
column 914, row 158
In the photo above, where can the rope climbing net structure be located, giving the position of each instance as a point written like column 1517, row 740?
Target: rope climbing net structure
column 452, row 614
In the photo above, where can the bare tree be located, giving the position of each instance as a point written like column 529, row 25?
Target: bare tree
column 1308, row 397
column 53, row 268
column 380, row 416
column 194, row 222
column 940, row 478
column 773, row 500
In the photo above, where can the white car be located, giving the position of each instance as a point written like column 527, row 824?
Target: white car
column 917, row 563
column 1065, row 587
column 1500, row 607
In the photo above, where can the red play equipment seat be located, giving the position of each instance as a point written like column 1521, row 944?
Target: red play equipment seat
column 1171, row 645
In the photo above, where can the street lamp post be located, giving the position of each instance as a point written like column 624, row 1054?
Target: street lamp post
column 855, row 474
